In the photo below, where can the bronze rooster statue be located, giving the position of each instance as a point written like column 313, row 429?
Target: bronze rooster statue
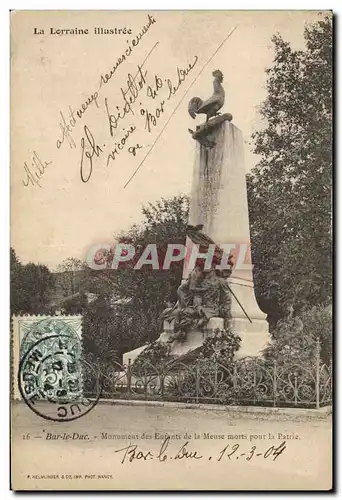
column 211, row 106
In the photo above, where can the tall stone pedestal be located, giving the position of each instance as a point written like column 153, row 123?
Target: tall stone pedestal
column 219, row 202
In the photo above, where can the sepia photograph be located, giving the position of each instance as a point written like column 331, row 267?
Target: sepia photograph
column 171, row 318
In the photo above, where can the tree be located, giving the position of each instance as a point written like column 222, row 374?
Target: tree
column 15, row 275
column 140, row 296
column 74, row 304
column 71, row 273
column 31, row 287
column 289, row 190
column 295, row 338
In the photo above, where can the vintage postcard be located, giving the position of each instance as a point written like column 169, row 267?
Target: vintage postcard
column 171, row 285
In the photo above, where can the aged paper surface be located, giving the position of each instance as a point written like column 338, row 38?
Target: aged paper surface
column 131, row 369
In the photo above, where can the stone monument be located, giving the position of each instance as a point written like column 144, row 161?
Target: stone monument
column 212, row 298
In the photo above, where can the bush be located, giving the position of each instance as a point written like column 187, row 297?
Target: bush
column 294, row 338
column 317, row 323
column 221, row 346
column 154, row 358
column 217, row 349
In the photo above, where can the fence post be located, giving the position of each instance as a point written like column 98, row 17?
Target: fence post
column 274, row 383
column 129, row 378
column 99, row 377
column 145, row 382
column 318, row 381
column 235, row 376
column 161, row 382
column 215, row 378
column 197, row 378
column 254, row 381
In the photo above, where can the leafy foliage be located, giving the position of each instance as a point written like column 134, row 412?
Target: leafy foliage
column 290, row 343
column 75, row 304
column 290, row 188
column 146, row 291
column 67, row 272
column 295, row 338
column 31, row 286
column 154, row 357
column 221, row 346
column 106, row 331
column 318, row 323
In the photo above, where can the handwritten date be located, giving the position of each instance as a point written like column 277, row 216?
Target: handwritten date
column 229, row 452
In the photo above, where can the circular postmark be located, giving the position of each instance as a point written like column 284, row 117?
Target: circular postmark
column 54, row 377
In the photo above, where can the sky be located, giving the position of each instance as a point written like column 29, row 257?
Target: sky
column 62, row 216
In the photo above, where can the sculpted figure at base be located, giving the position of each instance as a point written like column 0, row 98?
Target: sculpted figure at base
column 205, row 294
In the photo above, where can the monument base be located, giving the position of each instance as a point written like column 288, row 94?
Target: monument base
column 188, row 348
column 254, row 338
column 131, row 356
column 253, row 331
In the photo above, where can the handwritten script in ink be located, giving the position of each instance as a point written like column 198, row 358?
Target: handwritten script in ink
column 186, row 451
column 145, row 98
column 34, row 170
column 125, row 114
column 146, row 104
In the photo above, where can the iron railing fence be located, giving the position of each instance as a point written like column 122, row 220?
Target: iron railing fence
column 245, row 382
